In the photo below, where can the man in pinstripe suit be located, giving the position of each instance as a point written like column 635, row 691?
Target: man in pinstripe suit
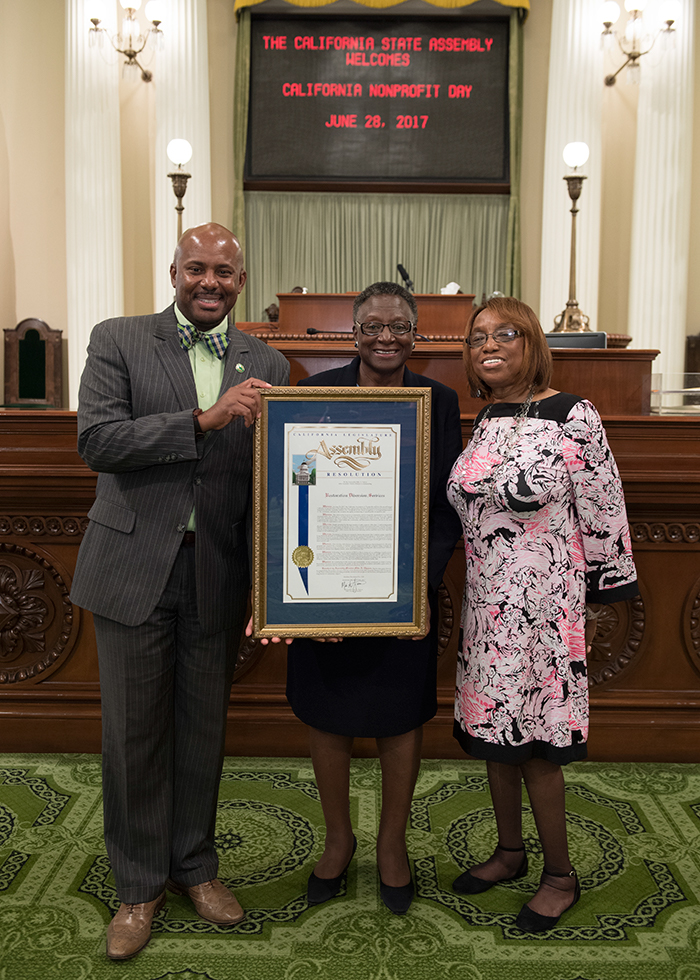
column 165, row 416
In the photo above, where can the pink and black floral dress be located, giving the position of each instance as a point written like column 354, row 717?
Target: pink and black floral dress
column 545, row 531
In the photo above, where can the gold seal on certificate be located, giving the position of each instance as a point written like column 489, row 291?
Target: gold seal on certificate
column 302, row 556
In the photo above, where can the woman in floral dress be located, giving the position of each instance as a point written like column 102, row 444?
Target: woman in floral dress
column 545, row 532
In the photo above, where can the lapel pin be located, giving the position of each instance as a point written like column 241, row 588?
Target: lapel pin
column 240, row 368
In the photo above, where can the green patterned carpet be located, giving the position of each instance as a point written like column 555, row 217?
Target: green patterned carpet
column 635, row 835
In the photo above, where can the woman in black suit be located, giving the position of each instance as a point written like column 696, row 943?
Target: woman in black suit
column 378, row 688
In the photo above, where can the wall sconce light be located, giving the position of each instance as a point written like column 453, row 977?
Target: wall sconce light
column 638, row 38
column 572, row 320
column 129, row 42
column 179, row 152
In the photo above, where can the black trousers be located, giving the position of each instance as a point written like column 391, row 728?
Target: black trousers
column 165, row 692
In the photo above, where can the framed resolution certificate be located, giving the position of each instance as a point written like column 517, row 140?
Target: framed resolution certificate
column 340, row 512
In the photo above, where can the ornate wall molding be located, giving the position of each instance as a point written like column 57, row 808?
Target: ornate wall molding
column 38, row 623
column 666, row 533
column 617, row 641
column 17, row 524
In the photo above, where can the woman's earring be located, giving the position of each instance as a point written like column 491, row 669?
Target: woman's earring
column 413, row 345
column 355, row 343
column 478, row 393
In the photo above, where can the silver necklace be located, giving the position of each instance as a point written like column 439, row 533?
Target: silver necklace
column 519, row 419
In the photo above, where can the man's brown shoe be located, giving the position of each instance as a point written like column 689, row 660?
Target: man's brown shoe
column 130, row 929
column 212, row 900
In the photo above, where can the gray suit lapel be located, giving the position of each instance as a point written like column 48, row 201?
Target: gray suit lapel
column 175, row 360
column 237, row 357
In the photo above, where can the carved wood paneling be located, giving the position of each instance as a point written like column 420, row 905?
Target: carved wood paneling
column 38, row 623
column 35, row 526
column 666, row 533
column 617, row 641
column 644, row 667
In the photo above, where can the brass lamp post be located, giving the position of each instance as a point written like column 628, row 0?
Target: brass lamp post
column 572, row 319
column 179, row 152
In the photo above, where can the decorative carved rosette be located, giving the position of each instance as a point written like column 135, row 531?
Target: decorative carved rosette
column 617, row 640
column 660, row 533
column 38, row 623
column 18, row 525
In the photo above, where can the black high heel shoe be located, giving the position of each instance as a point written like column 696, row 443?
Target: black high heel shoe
column 530, row 921
column 319, row 890
column 397, row 898
column 469, row 884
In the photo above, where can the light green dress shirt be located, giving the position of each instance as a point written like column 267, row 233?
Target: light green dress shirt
column 208, row 371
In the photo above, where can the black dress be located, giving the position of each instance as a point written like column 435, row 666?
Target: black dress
column 379, row 687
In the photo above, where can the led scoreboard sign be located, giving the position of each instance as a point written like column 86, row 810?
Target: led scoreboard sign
column 375, row 99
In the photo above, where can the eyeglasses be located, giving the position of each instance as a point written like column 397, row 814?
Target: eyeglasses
column 398, row 327
column 505, row 335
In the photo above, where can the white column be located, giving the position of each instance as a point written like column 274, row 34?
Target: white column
column 182, row 111
column 662, row 189
column 93, row 189
column 574, row 105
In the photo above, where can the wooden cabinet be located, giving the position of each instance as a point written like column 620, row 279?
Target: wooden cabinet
column 645, row 665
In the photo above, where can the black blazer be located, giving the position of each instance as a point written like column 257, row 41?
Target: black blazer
column 445, row 528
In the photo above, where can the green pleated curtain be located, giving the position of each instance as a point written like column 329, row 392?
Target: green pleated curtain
column 335, row 242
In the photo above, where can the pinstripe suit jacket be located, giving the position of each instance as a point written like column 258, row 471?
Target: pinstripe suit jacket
column 135, row 428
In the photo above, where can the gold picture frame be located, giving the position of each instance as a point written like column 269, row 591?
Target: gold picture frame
column 341, row 489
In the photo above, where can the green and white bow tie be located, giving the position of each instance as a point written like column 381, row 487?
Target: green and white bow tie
column 189, row 336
